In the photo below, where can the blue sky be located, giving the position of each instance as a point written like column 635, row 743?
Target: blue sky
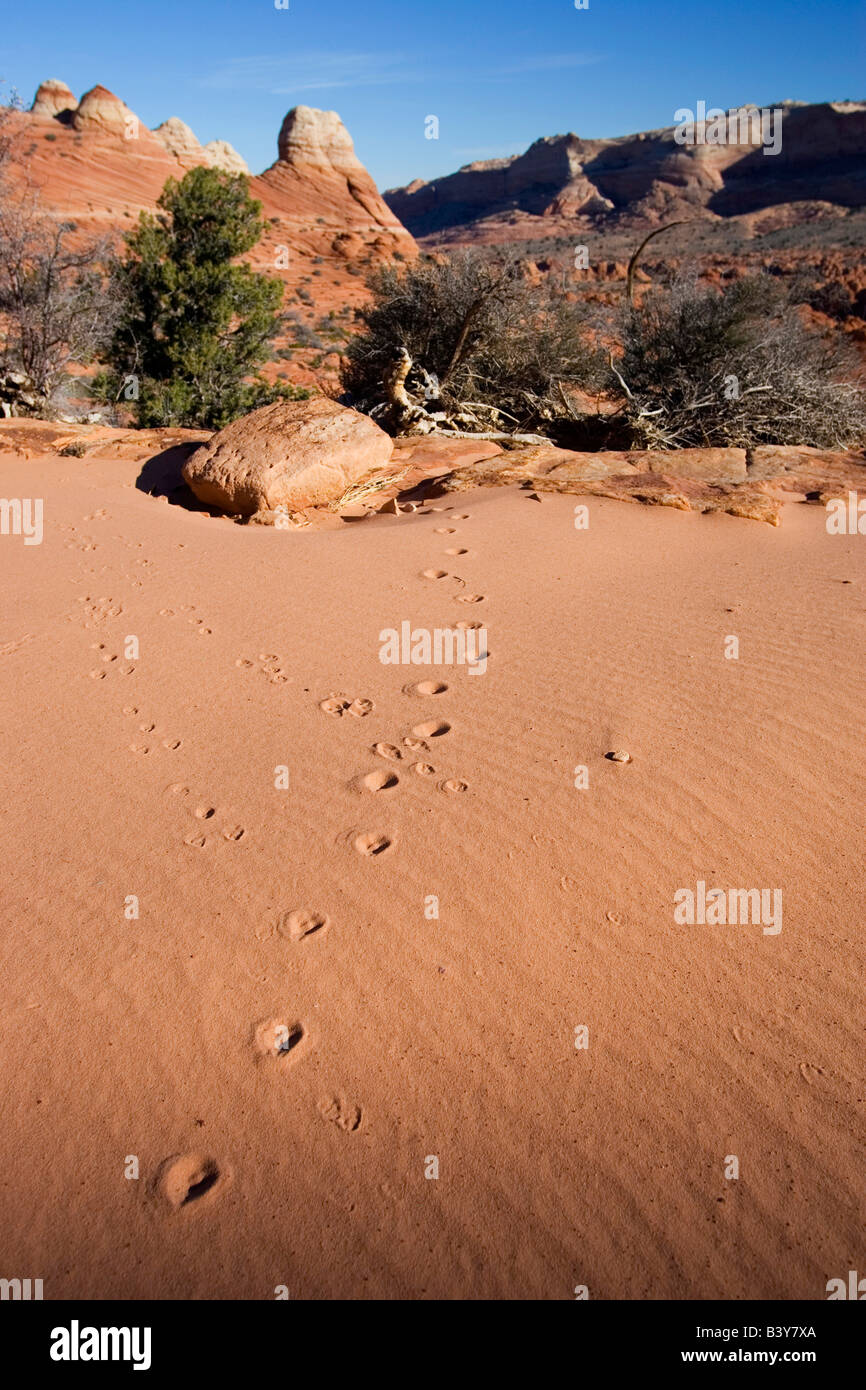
column 497, row 73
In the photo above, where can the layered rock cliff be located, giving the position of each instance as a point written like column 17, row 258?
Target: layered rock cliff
column 649, row 177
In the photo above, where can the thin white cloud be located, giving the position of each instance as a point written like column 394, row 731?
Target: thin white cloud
column 553, row 62
column 284, row 75
column 309, row 72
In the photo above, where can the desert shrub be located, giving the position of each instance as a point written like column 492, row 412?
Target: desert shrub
column 56, row 309
column 301, row 334
column 479, row 331
column 832, row 298
column 53, row 311
column 736, row 368
column 195, row 325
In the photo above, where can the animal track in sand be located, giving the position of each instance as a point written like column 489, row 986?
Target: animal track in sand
column 7, row 648
column 454, row 784
column 334, row 705
column 388, row 750
column 380, row 781
column 434, row 574
column 809, row 1071
column 339, row 1112
column 370, row 843
column 416, row 745
column 206, row 811
column 433, row 728
column 301, row 922
column 99, row 610
column 457, row 550
column 425, row 688
column 108, row 659
column 424, row 769
column 469, row 598
column 445, row 530
column 281, row 1041
column 339, row 705
column 464, row 626
column 185, row 1179
column 269, row 666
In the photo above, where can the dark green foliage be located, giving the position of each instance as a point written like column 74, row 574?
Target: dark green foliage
column 195, row 326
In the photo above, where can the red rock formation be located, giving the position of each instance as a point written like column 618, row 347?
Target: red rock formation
column 54, row 98
column 322, row 193
column 648, row 176
column 99, row 167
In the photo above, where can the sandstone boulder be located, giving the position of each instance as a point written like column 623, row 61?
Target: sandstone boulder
column 292, row 454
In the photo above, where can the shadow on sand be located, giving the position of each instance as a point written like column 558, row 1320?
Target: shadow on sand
column 161, row 476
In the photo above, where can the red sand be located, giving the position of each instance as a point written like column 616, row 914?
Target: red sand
column 411, row 1038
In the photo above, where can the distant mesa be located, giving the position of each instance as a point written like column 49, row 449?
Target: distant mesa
column 647, row 177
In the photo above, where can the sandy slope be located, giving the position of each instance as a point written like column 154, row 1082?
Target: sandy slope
column 454, row 1037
